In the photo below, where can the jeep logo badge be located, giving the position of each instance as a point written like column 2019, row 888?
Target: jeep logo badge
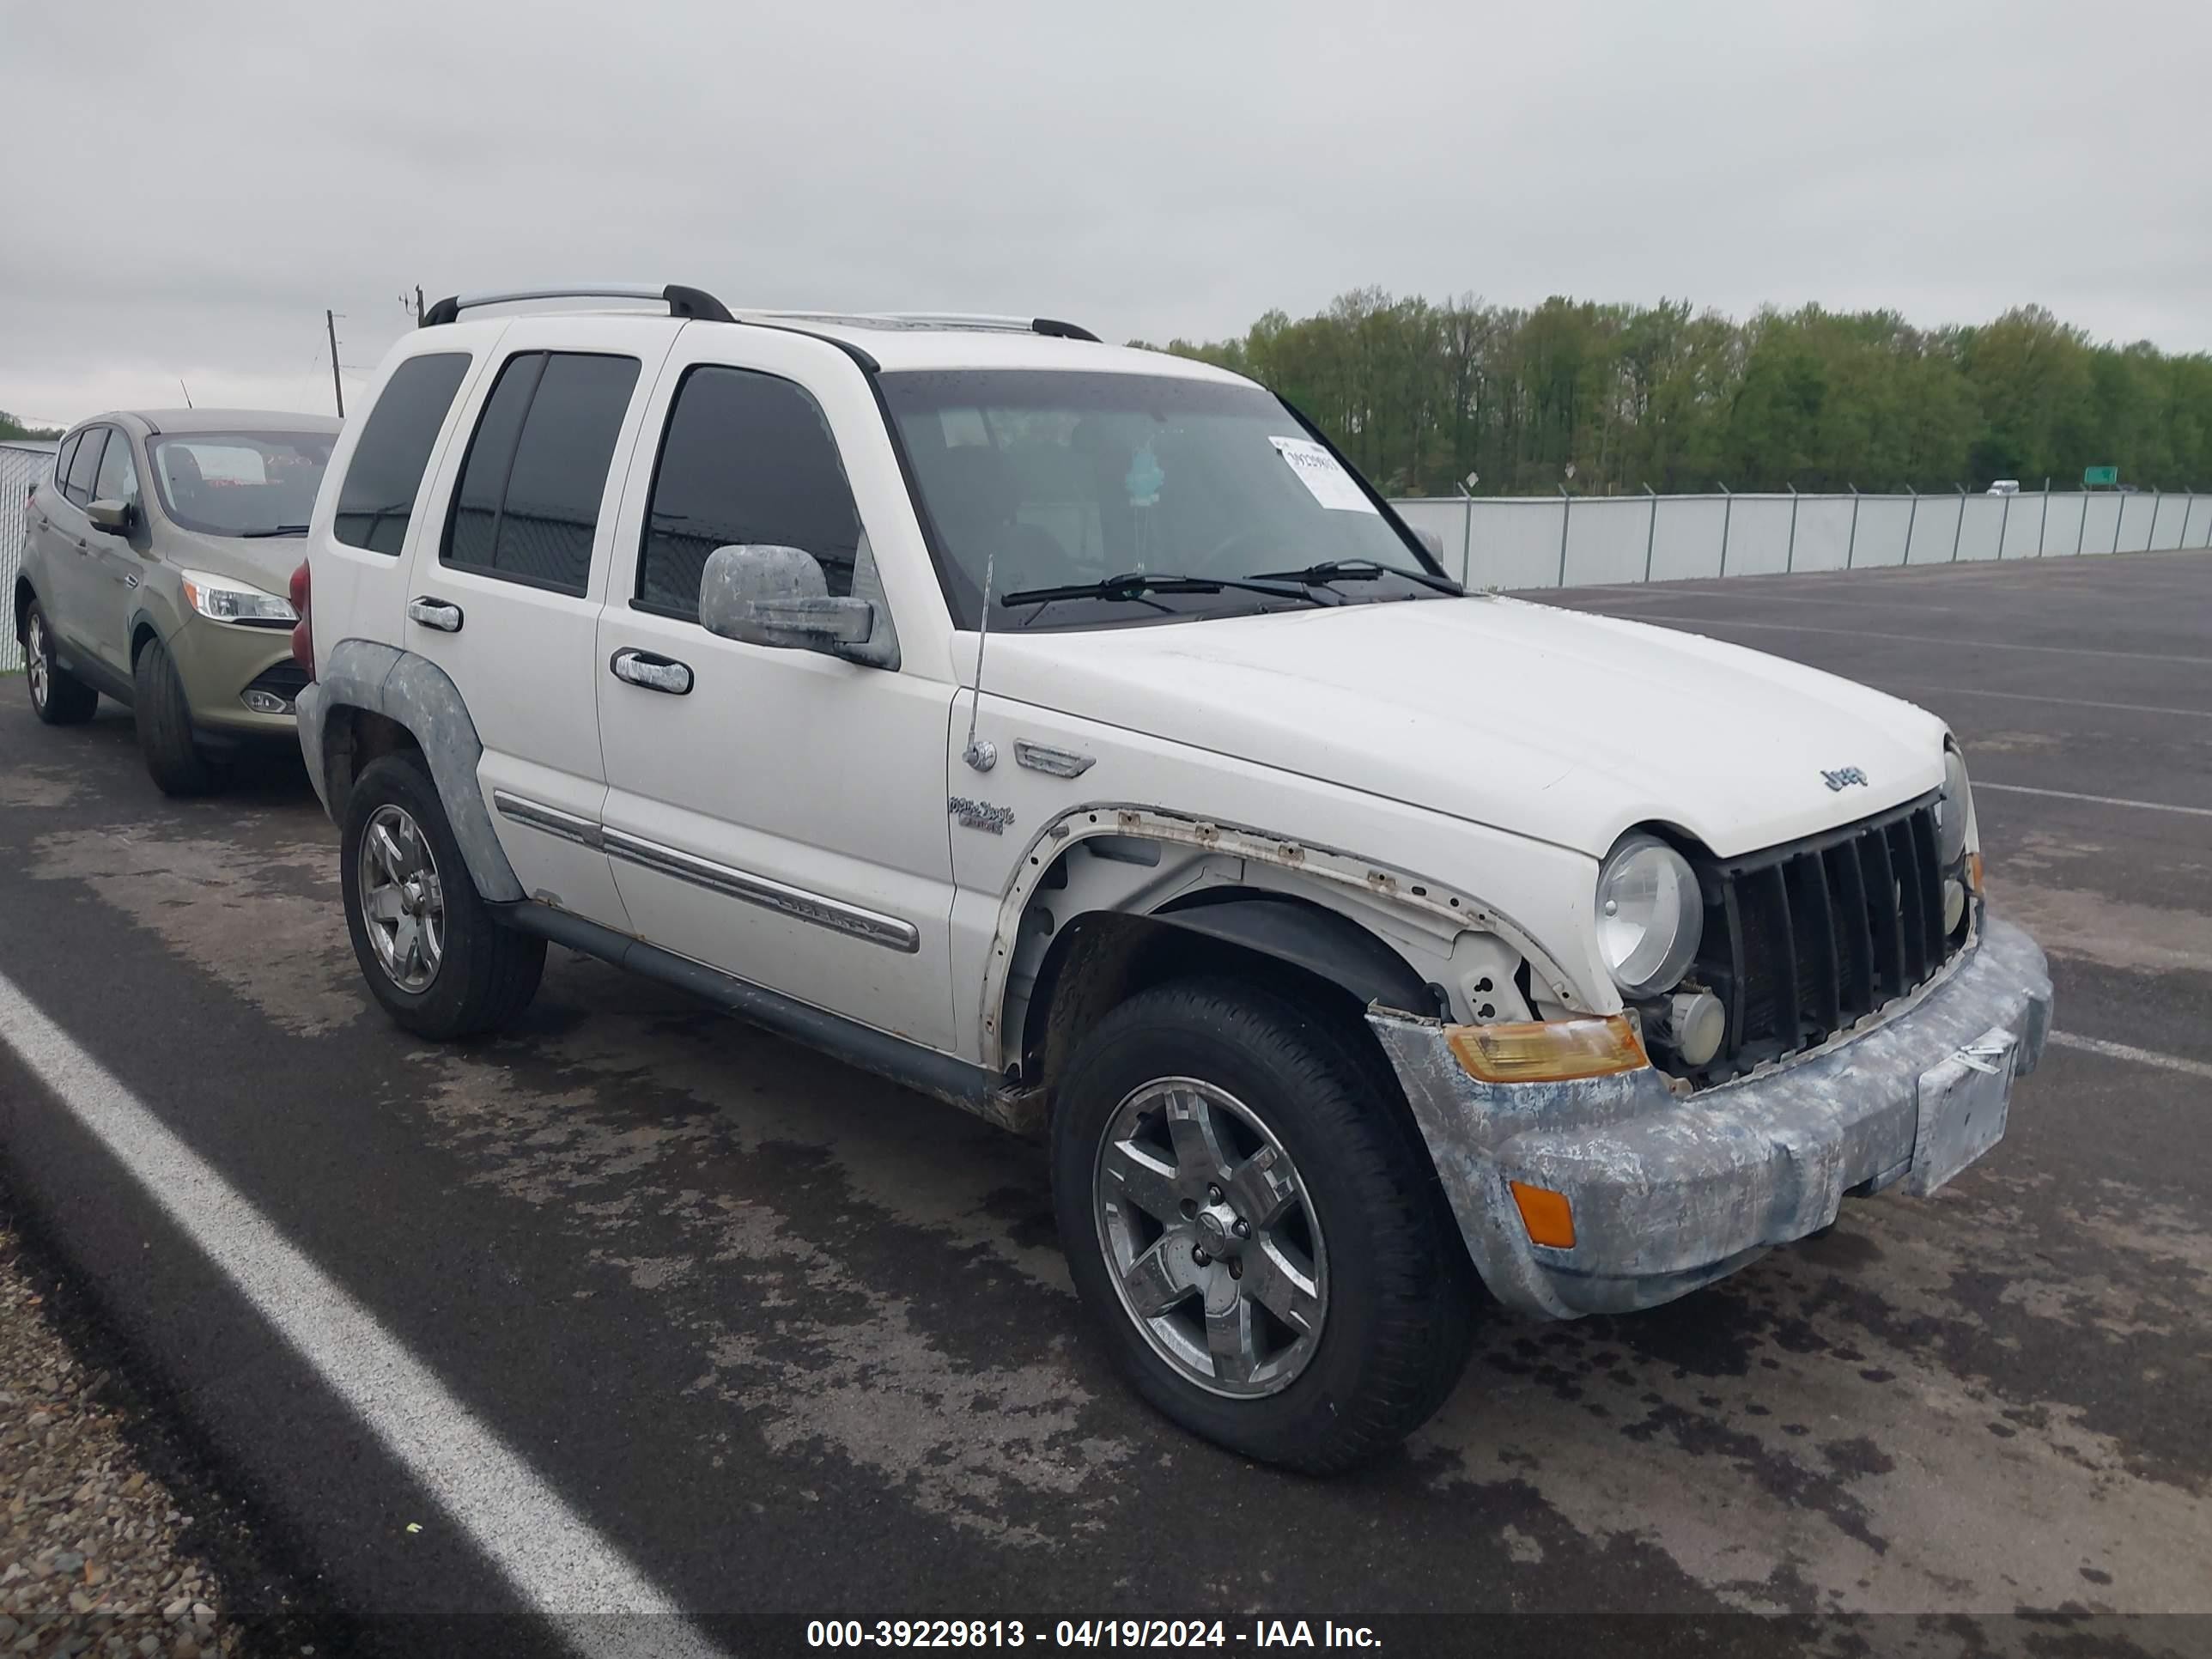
column 1843, row 779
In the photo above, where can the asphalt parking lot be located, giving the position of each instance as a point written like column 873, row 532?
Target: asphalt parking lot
column 794, row 1340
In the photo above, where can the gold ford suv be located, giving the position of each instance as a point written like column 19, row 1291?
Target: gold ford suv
column 155, row 570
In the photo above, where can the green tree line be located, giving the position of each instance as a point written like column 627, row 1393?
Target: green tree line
column 12, row 428
column 1419, row 394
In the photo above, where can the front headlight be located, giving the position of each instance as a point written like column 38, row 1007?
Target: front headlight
column 1651, row 916
column 225, row 599
column 1951, row 809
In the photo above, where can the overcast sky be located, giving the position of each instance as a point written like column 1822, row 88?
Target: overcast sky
column 188, row 186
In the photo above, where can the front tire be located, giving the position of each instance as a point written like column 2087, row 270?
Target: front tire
column 55, row 698
column 173, row 759
column 430, row 948
column 1252, row 1225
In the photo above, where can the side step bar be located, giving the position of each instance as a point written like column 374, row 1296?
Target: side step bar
column 924, row 1069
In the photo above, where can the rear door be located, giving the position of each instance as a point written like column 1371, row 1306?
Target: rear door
column 77, row 590
column 44, row 545
column 505, row 597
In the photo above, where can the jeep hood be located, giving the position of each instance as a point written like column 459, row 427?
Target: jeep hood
column 1533, row 719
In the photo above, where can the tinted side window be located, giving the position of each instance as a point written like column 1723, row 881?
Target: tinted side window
column 385, row 473
column 746, row 458
column 528, row 504
column 78, row 486
column 62, row 457
column 118, row 478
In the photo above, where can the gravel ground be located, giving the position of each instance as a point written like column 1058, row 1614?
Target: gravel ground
column 90, row 1558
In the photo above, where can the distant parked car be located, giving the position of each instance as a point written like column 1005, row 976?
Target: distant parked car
column 2005, row 487
column 167, row 598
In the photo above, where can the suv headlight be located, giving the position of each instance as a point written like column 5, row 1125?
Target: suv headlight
column 1952, row 808
column 225, row 599
column 1650, row 916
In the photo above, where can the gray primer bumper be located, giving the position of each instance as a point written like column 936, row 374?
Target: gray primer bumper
column 1671, row 1192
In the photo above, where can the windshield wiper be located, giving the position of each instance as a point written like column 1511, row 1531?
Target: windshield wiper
column 1140, row 584
column 1358, row 570
column 279, row 530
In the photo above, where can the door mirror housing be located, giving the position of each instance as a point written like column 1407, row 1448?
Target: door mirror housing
column 116, row 518
column 762, row 594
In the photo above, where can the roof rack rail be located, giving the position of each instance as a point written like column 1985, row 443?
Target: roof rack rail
column 1046, row 325
column 695, row 303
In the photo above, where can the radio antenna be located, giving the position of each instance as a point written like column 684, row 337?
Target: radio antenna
column 985, row 755
column 186, row 390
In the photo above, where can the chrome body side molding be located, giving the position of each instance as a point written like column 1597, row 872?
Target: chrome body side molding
column 551, row 819
column 820, row 910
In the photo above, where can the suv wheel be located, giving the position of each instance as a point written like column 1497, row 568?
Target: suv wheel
column 434, row 954
column 55, row 698
column 1248, row 1218
column 165, row 726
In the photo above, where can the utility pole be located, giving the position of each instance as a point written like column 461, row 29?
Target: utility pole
column 338, row 386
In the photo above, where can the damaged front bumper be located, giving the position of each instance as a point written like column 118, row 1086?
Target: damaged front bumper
column 1669, row 1192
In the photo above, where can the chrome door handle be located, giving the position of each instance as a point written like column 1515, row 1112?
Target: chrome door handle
column 654, row 673
column 435, row 613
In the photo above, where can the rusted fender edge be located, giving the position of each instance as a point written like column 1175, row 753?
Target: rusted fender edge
column 1439, row 903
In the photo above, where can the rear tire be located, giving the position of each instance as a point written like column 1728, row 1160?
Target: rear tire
column 55, row 697
column 1382, row 1298
column 174, row 761
column 432, row 951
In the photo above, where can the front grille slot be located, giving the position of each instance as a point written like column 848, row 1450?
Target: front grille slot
column 1804, row 939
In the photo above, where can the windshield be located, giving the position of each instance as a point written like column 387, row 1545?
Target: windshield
column 241, row 484
column 1058, row 479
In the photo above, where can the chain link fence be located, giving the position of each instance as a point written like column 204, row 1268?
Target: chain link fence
column 1559, row 541
column 21, row 465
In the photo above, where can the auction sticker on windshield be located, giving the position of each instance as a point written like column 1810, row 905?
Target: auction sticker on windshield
column 1319, row 473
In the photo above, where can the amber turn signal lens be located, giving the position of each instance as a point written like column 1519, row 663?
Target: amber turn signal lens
column 1548, row 1217
column 1548, row 1050
column 1974, row 870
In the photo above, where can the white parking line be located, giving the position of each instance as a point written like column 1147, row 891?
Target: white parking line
column 2032, row 696
column 2100, row 800
column 1954, row 643
column 2129, row 1051
column 560, row 1567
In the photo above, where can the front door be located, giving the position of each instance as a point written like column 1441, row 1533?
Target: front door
column 779, row 814
column 504, row 595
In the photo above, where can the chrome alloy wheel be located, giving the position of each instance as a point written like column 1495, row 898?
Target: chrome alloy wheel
column 402, row 901
column 1214, row 1247
column 34, row 659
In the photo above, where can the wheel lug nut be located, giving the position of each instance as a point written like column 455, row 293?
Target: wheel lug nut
column 1236, row 1270
column 1201, row 1258
column 1213, row 1194
column 1242, row 1229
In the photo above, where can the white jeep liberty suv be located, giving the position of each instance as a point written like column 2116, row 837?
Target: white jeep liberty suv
column 1333, row 926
